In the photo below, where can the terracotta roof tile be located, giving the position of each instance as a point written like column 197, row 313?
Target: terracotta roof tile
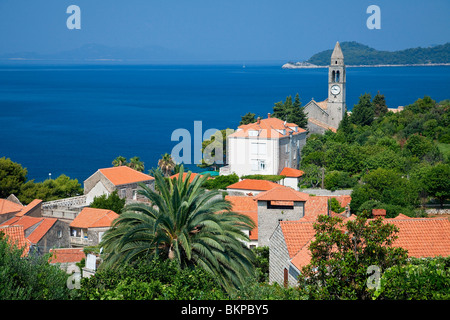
column 317, row 205
column 7, row 206
column 292, row 173
column 268, row 128
column 33, row 204
column 282, row 193
column 43, row 226
column 124, row 175
column 246, row 206
column 41, row 230
column 297, row 234
column 422, row 237
column 94, row 218
column 66, row 255
column 16, row 236
column 253, row 184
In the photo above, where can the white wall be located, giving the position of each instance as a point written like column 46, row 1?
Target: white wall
column 246, row 156
column 96, row 191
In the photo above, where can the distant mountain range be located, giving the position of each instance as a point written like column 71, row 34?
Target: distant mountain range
column 97, row 52
column 357, row 54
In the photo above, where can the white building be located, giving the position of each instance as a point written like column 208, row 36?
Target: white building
column 264, row 147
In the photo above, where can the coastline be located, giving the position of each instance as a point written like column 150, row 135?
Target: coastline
column 311, row 66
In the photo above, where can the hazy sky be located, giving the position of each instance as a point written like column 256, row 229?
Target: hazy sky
column 241, row 30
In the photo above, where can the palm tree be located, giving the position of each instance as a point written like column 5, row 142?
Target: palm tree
column 119, row 161
column 166, row 164
column 136, row 164
column 185, row 223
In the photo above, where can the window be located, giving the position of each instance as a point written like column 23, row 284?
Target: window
column 59, row 234
column 258, row 148
column 261, row 165
column 252, row 133
column 286, row 147
column 123, row 193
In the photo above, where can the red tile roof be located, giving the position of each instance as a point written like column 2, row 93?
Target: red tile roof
column 268, row 128
column 246, row 206
column 191, row 178
column 124, row 175
column 35, row 203
column 297, row 234
column 66, row 255
column 422, row 237
column 282, row 193
column 41, row 230
column 253, row 184
column 291, row 173
column 317, row 205
column 43, row 225
column 94, row 218
column 16, row 236
column 7, row 206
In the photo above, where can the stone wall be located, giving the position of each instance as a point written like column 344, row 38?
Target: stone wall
column 278, row 256
column 269, row 218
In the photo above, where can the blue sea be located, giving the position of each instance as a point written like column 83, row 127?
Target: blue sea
column 76, row 119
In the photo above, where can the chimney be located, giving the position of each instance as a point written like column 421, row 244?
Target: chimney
column 379, row 213
column 258, row 120
column 268, row 115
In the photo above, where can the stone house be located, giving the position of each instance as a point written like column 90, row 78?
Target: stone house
column 123, row 179
column 10, row 209
column 276, row 205
column 89, row 226
column 41, row 233
column 264, row 147
column 286, row 204
column 289, row 243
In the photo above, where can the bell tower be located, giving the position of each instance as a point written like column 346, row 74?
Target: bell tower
column 336, row 106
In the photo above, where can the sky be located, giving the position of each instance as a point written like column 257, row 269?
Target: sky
column 226, row 30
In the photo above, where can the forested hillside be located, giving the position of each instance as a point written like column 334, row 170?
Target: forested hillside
column 358, row 54
column 396, row 161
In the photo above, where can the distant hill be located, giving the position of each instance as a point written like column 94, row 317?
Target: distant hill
column 96, row 52
column 359, row 54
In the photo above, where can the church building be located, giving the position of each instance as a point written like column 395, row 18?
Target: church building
column 326, row 115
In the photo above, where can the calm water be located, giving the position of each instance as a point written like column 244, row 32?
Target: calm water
column 76, row 119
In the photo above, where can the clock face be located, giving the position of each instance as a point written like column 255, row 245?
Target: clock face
column 335, row 89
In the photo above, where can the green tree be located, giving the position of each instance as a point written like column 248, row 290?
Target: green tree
column 48, row 190
column 379, row 103
column 111, row 202
column 184, row 223
column 341, row 254
column 215, row 148
column 420, row 279
column 166, row 164
column 30, row 278
column 437, row 182
column 136, row 164
column 221, row 182
column 154, row 279
column 363, row 112
column 290, row 112
column 335, row 180
column 12, row 176
column 120, row 161
column 248, row 118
